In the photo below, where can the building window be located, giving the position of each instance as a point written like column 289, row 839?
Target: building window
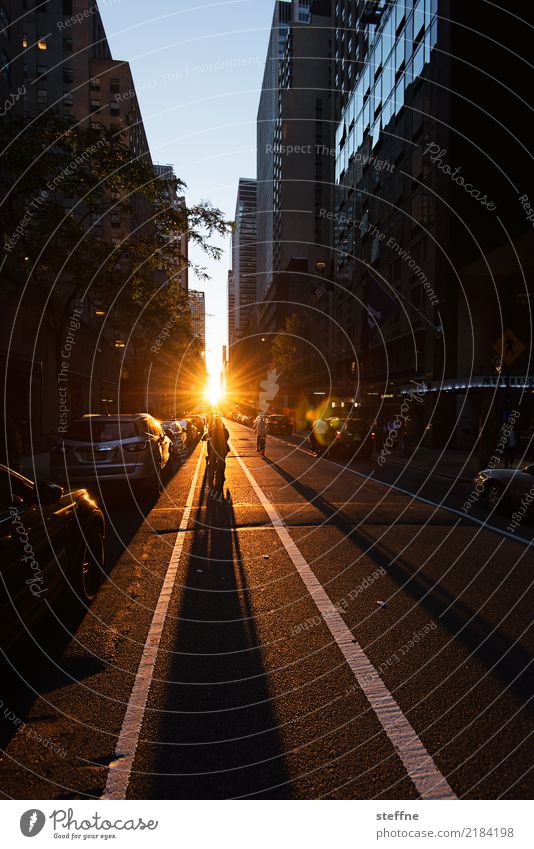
column 95, row 106
column 42, row 97
column 67, row 45
column 68, row 75
column 24, row 41
column 67, row 98
column 41, row 44
column 95, row 84
column 114, row 85
column 41, row 72
column 114, row 108
column 115, row 220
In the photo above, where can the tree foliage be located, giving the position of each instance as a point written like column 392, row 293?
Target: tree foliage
column 64, row 189
column 286, row 345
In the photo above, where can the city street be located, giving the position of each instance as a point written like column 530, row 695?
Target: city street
column 322, row 632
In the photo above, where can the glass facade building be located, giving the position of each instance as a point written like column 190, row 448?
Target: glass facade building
column 399, row 47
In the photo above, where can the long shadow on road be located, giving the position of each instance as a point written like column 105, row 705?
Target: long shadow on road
column 219, row 724
column 490, row 644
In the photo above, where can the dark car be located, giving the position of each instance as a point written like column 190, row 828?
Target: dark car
column 279, row 425
column 52, row 546
column 508, row 489
column 178, row 437
column 336, row 436
column 118, row 448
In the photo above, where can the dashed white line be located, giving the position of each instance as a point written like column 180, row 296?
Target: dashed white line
column 419, row 765
column 121, row 767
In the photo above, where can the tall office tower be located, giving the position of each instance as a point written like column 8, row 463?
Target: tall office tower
column 244, row 255
column 231, row 309
column 197, row 306
column 295, row 162
column 180, row 277
column 428, row 284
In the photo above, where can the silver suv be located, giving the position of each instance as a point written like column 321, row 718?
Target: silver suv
column 112, row 448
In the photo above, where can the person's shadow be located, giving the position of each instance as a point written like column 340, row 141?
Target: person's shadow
column 218, row 735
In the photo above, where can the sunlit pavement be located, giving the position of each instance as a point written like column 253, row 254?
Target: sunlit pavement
column 251, row 693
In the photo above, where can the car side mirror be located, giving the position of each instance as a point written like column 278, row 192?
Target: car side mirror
column 48, row 493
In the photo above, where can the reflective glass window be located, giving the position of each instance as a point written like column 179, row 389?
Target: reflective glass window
column 418, row 60
column 418, row 17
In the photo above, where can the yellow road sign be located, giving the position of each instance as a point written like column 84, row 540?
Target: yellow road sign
column 509, row 347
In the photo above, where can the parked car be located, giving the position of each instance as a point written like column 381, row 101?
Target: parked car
column 200, row 423
column 507, row 489
column 113, row 448
column 51, row 546
column 279, row 425
column 191, row 431
column 178, row 437
column 336, row 436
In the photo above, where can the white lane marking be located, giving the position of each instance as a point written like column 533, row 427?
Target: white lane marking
column 121, row 767
column 370, row 477
column 426, row 777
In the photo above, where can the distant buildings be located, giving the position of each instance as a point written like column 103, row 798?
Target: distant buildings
column 230, row 298
column 197, row 306
column 180, row 278
column 244, row 255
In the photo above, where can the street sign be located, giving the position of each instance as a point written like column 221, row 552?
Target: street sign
column 509, row 347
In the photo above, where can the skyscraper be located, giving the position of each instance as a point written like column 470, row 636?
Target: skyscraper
column 244, row 255
column 197, row 306
column 295, row 143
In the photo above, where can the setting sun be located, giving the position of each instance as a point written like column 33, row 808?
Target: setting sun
column 214, row 392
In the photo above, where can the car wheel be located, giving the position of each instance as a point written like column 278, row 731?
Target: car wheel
column 494, row 496
column 90, row 564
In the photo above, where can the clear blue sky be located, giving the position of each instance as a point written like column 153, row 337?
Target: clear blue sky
column 197, row 68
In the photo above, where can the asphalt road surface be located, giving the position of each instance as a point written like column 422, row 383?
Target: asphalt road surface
column 322, row 632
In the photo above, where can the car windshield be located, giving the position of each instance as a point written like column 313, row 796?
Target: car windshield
column 91, row 430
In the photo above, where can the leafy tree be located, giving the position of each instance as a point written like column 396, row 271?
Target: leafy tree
column 286, row 345
column 62, row 187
